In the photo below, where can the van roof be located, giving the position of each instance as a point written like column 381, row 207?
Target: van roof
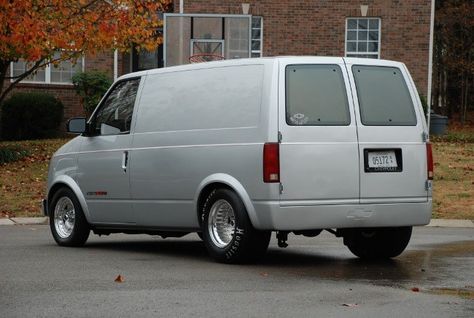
column 267, row 60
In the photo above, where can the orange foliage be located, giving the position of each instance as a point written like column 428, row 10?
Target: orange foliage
column 35, row 29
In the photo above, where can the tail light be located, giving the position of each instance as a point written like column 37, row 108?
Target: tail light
column 271, row 162
column 429, row 159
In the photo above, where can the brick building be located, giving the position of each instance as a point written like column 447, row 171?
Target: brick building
column 386, row 29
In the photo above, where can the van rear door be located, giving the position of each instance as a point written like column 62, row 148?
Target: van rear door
column 319, row 158
column 391, row 130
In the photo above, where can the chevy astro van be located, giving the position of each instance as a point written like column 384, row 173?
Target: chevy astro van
column 235, row 150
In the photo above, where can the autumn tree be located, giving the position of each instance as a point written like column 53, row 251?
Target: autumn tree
column 454, row 56
column 34, row 30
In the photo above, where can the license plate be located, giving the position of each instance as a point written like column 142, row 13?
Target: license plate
column 382, row 159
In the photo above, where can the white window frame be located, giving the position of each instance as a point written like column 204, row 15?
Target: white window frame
column 47, row 75
column 375, row 54
column 260, row 51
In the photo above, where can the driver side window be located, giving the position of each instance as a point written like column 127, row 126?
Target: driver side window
column 115, row 115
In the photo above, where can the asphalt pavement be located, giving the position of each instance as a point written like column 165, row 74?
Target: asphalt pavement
column 313, row 277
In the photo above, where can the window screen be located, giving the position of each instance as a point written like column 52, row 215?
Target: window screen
column 384, row 99
column 316, row 95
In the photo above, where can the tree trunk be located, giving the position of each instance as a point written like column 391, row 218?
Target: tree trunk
column 3, row 74
column 465, row 100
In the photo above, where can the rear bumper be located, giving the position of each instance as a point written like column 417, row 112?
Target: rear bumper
column 272, row 216
column 44, row 207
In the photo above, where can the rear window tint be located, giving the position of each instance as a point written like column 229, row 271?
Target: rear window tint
column 316, row 96
column 384, row 99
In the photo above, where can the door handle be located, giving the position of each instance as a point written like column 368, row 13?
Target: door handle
column 125, row 161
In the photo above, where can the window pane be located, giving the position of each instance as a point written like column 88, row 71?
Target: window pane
column 363, row 35
column 351, row 35
column 115, row 115
column 255, row 45
column 352, row 23
column 255, row 33
column 63, row 72
column 362, row 47
column 384, row 99
column 315, row 95
column 374, row 35
column 147, row 60
column 351, row 46
column 362, row 23
column 256, row 22
column 22, row 66
column 373, row 47
column 55, row 76
column 374, row 24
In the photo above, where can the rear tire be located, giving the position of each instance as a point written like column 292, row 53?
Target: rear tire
column 66, row 219
column 227, row 231
column 377, row 243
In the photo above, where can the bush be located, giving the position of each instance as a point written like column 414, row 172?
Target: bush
column 424, row 103
column 31, row 116
column 91, row 86
column 10, row 154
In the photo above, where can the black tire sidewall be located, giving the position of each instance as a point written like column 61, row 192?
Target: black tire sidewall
column 239, row 248
column 81, row 230
column 385, row 243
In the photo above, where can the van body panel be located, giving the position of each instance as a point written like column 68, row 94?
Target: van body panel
column 410, row 182
column 104, row 183
column 318, row 162
column 210, row 134
column 273, row 216
column 63, row 171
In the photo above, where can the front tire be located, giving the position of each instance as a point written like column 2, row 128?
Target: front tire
column 66, row 219
column 377, row 243
column 227, row 231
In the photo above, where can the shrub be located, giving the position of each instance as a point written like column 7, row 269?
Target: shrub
column 424, row 103
column 91, row 86
column 31, row 116
column 10, row 154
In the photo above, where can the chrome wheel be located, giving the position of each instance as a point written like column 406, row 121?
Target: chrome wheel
column 64, row 217
column 221, row 223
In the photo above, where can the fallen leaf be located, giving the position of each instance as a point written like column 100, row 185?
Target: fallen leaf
column 119, row 279
column 415, row 289
column 264, row 274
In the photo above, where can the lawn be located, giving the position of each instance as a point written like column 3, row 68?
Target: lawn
column 23, row 183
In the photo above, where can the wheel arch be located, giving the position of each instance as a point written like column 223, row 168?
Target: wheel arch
column 222, row 180
column 68, row 182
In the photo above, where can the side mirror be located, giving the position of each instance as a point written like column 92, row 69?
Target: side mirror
column 76, row 125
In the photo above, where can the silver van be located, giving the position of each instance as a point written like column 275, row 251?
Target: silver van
column 237, row 149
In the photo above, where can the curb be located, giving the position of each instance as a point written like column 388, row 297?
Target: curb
column 24, row 221
column 451, row 223
column 434, row 222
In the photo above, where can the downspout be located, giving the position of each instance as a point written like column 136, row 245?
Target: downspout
column 115, row 64
column 430, row 64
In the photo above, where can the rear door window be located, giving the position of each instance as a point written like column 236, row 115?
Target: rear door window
column 316, row 96
column 384, row 99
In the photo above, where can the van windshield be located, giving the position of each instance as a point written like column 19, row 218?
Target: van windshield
column 316, row 96
column 384, row 99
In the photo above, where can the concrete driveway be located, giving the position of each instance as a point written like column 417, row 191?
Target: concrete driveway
column 313, row 277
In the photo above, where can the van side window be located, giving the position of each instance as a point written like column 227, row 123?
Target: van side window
column 384, row 99
column 115, row 114
column 316, row 96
